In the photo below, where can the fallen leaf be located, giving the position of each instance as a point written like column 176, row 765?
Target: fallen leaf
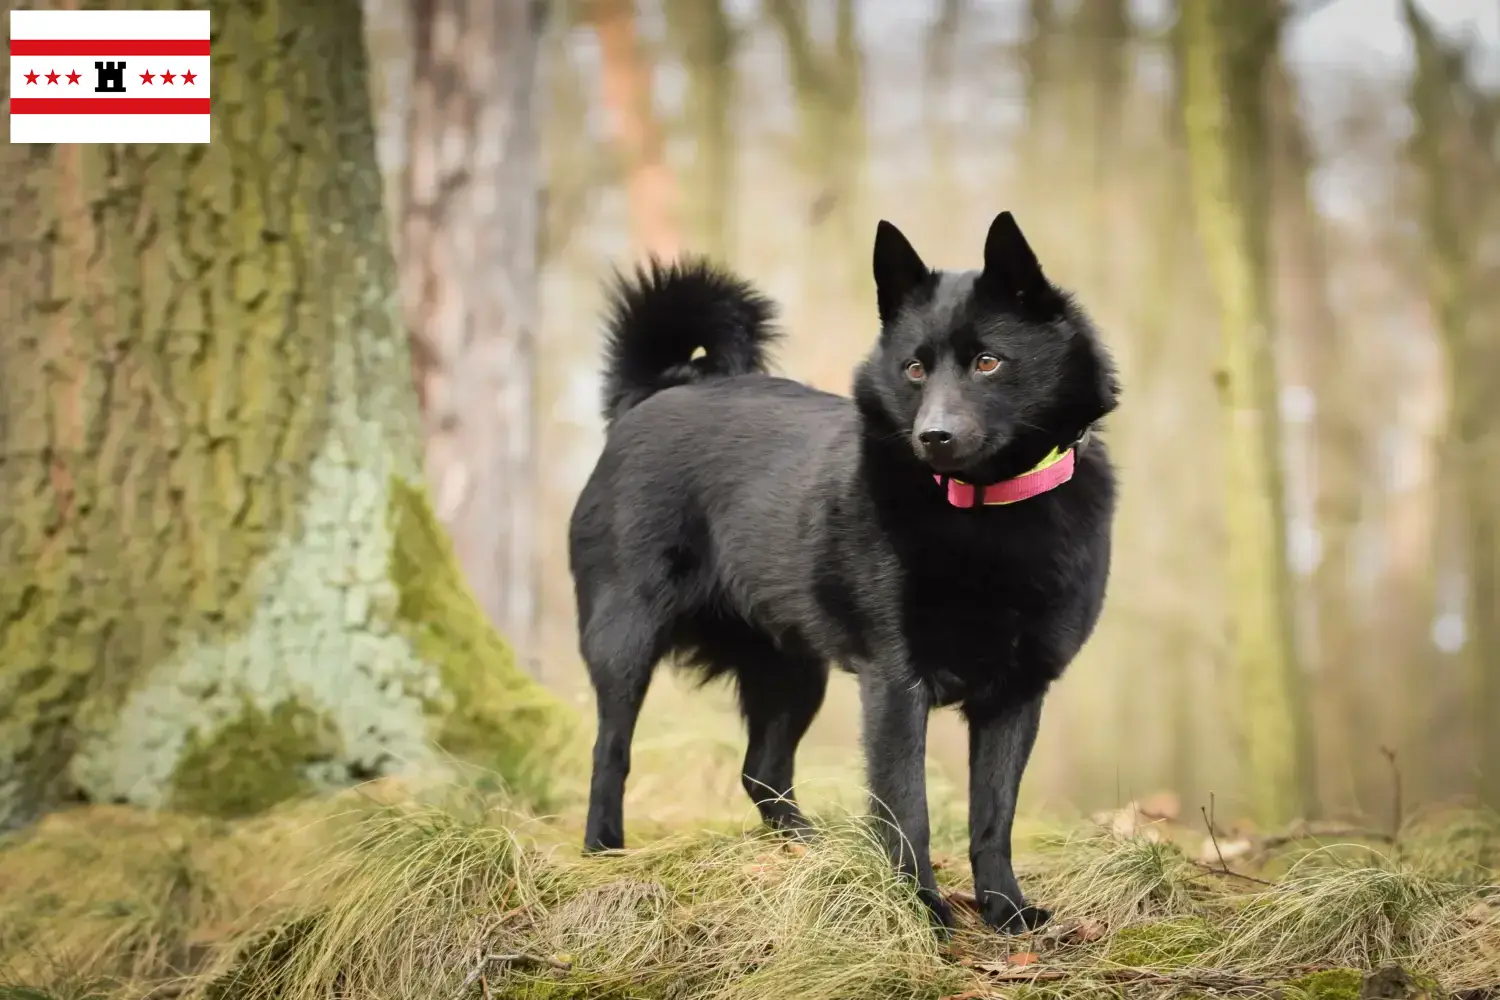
column 795, row 849
column 1129, row 821
column 1163, row 805
column 1006, row 971
column 1073, row 931
column 1021, row 958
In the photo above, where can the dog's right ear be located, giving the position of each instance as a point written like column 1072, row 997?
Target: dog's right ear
column 898, row 270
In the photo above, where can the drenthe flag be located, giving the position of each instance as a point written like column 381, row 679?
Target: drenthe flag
column 109, row 76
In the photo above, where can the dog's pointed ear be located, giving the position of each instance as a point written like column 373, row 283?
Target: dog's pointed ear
column 1012, row 273
column 898, row 270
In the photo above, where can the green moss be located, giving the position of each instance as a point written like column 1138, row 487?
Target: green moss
column 498, row 717
column 253, row 762
column 1330, row 984
column 1164, row 944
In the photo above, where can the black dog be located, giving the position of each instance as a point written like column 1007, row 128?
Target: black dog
column 945, row 534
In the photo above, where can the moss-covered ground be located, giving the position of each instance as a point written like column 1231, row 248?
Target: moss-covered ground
column 397, row 891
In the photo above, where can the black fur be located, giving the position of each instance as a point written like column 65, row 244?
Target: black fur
column 760, row 528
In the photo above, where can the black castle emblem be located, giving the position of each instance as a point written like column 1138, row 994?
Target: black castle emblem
column 111, row 77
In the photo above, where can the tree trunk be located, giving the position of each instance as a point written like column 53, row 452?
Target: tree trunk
column 1453, row 145
column 1337, row 440
column 1106, row 43
column 706, row 40
column 1224, row 127
column 469, row 237
column 222, row 582
column 649, row 189
column 827, row 88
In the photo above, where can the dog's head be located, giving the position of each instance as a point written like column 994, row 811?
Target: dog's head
column 982, row 372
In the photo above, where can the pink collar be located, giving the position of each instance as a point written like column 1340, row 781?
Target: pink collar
column 1053, row 471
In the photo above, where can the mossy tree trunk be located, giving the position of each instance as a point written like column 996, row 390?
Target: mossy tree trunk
column 222, row 583
column 1225, row 51
column 468, row 242
column 1338, row 442
column 1453, row 146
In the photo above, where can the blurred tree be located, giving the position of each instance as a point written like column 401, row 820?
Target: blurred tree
column 649, row 188
column 1454, row 149
column 702, row 33
column 828, row 90
column 1314, row 334
column 943, row 155
column 1167, row 286
column 467, row 251
column 831, row 145
column 1103, row 30
column 1226, row 51
column 222, row 582
column 1038, row 54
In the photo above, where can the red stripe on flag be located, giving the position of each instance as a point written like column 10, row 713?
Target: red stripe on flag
column 109, row 105
column 104, row 47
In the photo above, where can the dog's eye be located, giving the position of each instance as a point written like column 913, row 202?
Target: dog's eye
column 986, row 364
column 915, row 371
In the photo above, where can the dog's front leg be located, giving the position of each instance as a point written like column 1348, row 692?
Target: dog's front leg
column 895, row 735
column 1000, row 743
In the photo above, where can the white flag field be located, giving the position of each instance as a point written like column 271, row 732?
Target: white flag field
column 109, row 76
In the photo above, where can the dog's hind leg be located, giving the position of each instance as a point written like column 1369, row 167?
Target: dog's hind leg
column 779, row 697
column 621, row 643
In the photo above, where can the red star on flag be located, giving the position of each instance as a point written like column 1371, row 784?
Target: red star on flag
column 73, row 77
column 167, row 77
column 31, row 77
column 189, row 77
column 147, row 76
column 52, row 77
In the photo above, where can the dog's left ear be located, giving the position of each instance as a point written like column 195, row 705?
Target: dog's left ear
column 1012, row 274
column 898, row 270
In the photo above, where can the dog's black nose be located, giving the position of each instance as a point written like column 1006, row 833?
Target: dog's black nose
column 935, row 436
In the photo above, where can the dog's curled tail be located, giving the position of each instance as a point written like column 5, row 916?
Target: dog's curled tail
column 675, row 323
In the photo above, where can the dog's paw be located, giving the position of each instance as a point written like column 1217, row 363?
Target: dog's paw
column 1014, row 921
column 799, row 831
column 941, row 914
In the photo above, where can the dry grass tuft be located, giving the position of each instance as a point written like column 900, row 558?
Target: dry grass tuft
column 444, row 895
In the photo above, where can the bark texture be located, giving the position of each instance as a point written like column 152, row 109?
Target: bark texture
column 222, row 583
column 468, row 249
column 1225, row 51
column 1454, row 149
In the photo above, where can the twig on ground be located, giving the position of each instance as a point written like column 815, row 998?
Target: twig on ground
column 1310, row 832
column 1397, row 807
column 1223, row 868
column 960, row 897
column 484, row 986
column 508, row 958
column 522, row 958
column 1229, row 872
column 1203, row 978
